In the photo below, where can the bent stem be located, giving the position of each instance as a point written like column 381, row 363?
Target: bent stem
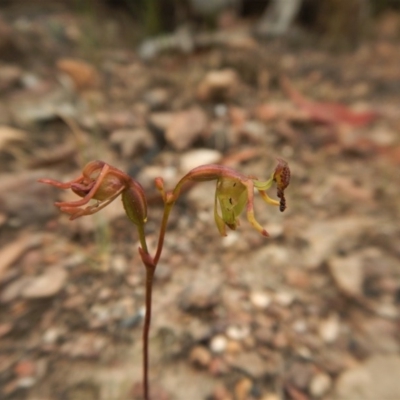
column 150, row 264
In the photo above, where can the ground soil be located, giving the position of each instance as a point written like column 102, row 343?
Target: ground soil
column 242, row 317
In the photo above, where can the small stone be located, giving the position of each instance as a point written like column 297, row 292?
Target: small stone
column 300, row 326
column 320, row 384
column 243, row 389
column 46, row 285
column 329, row 328
column 377, row 378
column 348, row 274
column 252, row 364
column 156, row 98
column 87, row 345
column 325, row 237
column 237, row 332
column 119, row 264
column 218, row 344
column 300, row 374
column 26, row 382
column 254, row 131
column 51, row 336
column 233, row 347
column 284, row 299
column 186, row 126
column 260, row 300
column 200, row 295
column 200, row 356
column 195, row 158
column 132, row 141
column 161, row 120
column 199, row 197
column 218, row 85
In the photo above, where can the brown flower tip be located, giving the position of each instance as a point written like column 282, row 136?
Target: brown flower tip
column 282, row 178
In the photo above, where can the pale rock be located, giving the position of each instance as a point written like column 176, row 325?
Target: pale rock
column 147, row 175
column 254, row 131
column 201, row 196
column 161, row 120
column 85, row 345
column 320, row 384
column 198, row 157
column 201, row 294
column 237, row 332
column 218, row 85
column 157, row 98
column 325, row 237
column 377, row 378
column 46, row 285
column 51, row 336
column 185, row 127
column 27, row 382
column 218, row 344
column 260, row 299
column 251, row 363
column 329, row 328
column 119, row 264
column 299, row 374
column 284, row 299
column 348, row 274
column 131, row 141
column 231, row 239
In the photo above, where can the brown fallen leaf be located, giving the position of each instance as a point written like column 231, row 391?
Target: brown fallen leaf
column 11, row 252
column 10, row 135
column 325, row 112
column 82, row 74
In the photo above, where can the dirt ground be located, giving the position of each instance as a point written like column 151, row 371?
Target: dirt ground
column 310, row 313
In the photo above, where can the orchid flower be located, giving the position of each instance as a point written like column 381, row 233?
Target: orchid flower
column 101, row 182
column 234, row 192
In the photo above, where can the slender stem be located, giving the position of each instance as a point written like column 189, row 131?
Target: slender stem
column 146, row 328
column 150, row 268
column 163, row 229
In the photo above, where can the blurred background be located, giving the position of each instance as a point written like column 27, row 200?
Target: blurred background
column 156, row 88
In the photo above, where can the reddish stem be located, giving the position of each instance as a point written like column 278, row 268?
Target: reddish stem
column 150, row 269
column 146, row 330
